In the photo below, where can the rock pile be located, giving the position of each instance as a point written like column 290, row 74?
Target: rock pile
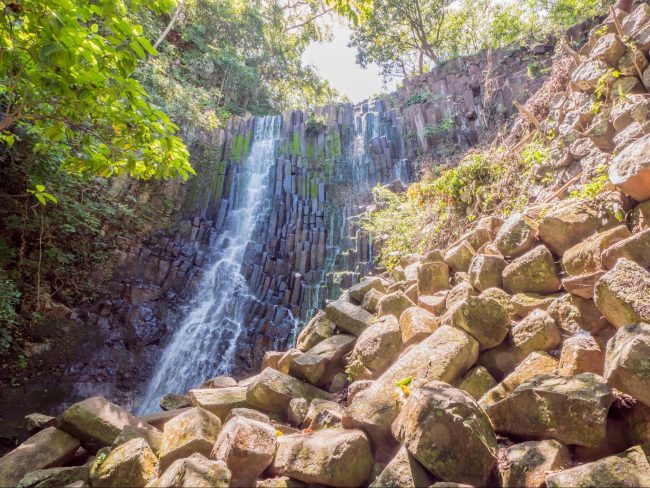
column 518, row 356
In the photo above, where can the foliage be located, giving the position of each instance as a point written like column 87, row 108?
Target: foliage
column 66, row 80
column 417, row 98
column 314, row 126
column 9, row 297
column 535, row 70
column 593, row 188
column 442, row 127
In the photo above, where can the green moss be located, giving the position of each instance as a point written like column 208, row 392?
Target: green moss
column 295, row 144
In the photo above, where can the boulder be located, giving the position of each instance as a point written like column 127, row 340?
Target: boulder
column 248, row 413
column 445, row 355
column 640, row 215
column 371, row 301
column 524, row 303
column 635, row 248
column 608, row 48
column 171, row 401
column 358, row 291
column 536, row 363
column 285, row 361
column 323, row 361
column 516, row 236
column 411, row 271
column 348, row 317
column 623, row 294
column 54, row 477
column 432, row 277
column 96, row 422
column 485, row 271
column 445, row 430
column 458, row 257
column 575, row 315
column 501, row 297
column 219, row 401
column 490, row 223
column 627, row 469
column 534, row 272
column 272, row 391
column 152, row 436
column 630, row 169
column 571, row 409
column 394, row 304
column 195, row 430
column 219, row 382
column 528, row 463
column 297, row 411
column 375, row 349
column 159, row 419
column 485, row 320
column 247, row 447
column 318, row 329
column 195, row 471
column 412, row 292
column 339, row 382
column 132, row 464
column 37, row 421
column 581, row 354
column 331, row 457
column 403, row 471
column 627, row 361
column 272, row 359
column 436, row 304
column 582, row 286
column 585, row 258
column 322, row 414
column 477, row 382
column 458, row 293
column 587, row 75
column 48, row 448
column 416, row 324
column 568, row 225
column 357, row 387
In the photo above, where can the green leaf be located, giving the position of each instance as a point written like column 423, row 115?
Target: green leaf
column 144, row 42
column 94, row 28
column 40, row 198
column 40, row 188
column 49, row 197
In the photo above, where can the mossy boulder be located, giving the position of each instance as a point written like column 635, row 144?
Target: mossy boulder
column 324, row 360
column 459, row 256
column 627, row 361
column 485, row 319
column 585, row 257
column 477, row 382
column 358, row 291
column 172, row 401
column 516, row 236
column 635, row 248
column 446, row 430
column 195, row 471
column 370, row 301
column 524, row 303
column 394, row 304
column 403, row 471
column 534, row 272
column 55, row 477
column 219, row 401
column 132, row 464
column 623, row 294
column 432, row 277
column 376, row 349
column 568, row 225
column 459, row 293
column 319, row 328
column 348, row 317
column 528, row 463
column 416, row 324
column 485, row 271
column 574, row 315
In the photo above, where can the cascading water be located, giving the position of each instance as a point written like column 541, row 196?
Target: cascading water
column 205, row 344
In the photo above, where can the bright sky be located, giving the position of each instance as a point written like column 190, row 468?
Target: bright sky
column 335, row 63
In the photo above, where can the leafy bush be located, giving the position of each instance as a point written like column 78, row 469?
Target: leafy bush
column 417, row 98
column 315, row 126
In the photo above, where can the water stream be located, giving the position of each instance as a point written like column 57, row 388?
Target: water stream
column 205, row 344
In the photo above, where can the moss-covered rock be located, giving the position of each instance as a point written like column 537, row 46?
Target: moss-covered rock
column 623, row 294
column 528, row 463
column 459, row 256
column 485, row 319
column 403, row 471
column 627, row 361
column 358, row 291
column 416, row 324
column 55, row 477
column 375, row 349
column 132, row 464
column 195, row 471
column 348, row 317
column 516, row 236
column 432, row 277
column 534, row 272
column 485, row 271
column 477, row 382
column 319, row 328
column 394, row 304
column 574, row 315
column 635, row 248
column 324, row 360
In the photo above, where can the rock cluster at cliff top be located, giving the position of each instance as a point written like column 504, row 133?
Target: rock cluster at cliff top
column 518, row 356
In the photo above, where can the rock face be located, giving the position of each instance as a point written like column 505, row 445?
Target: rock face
column 247, row 447
column 570, row 409
column 534, row 272
column 445, row 429
column 623, row 294
column 627, row 361
column 528, row 463
column 195, row 471
column 331, row 457
column 48, row 448
column 131, row 464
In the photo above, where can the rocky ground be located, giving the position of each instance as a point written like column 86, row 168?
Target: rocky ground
column 517, row 356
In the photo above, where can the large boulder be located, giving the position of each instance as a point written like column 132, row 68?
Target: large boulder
column 485, row 271
column 516, row 236
column 376, row 348
column 623, row 294
column 55, row 477
column 568, row 225
column 195, row 430
column 417, row 324
column 96, row 422
column 195, row 471
column 534, row 272
column 585, row 257
column 219, row 401
column 132, row 464
column 528, row 463
column 348, row 317
column 247, row 447
column 445, row 429
column 571, row 409
column 458, row 257
column 403, row 471
column 588, row 73
column 477, row 382
column 581, row 354
column 630, row 169
column 635, row 248
column 627, row 469
column 323, row 361
column 50, row 447
column 330, row 457
column 152, row 436
column 436, row 304
column 172, row 401
column 445, row 355
column 582, row 285
column 522, row 304
column 485, row 319
column 318, row 329
column 394, row 304
column 358, row 291
column 575, row 315
column 432, row 277
column 627, row 361
column 458, row 293
column 272, row 391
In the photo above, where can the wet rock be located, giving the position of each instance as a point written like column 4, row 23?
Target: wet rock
column 219, row 401
column 571, row 409
column 376, row 348
column 195, row 471
column 528, row 463
column 96, row 422
column 152, row 436
column 477, row 382
column 574, row 314
column 432, row 277
column 445, row 429
column 416, row 324
column 331, row 457
column 630, row 169
column 50, row 447
column 172, row 401
column 323, row 361
column 581, row 354
column 195, row 430
column 563, row 228
column 585, row 257
column 403, row 471
column 54, row 477
column 485, row 320
column 358, row 291
column 458, row 257
column 516, row 236
column 627, row 361
column 627, row 469
column 623, row 294
column 247, row 447
column 534, row 272
column 445, row 355
column 272, row 391
column 394, row 304
column 436, row 304
column 635, row 248
column 348, row 317
column 132, row 464
column 485, row 271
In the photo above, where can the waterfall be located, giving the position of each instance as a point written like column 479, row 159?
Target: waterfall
column 206, row 342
